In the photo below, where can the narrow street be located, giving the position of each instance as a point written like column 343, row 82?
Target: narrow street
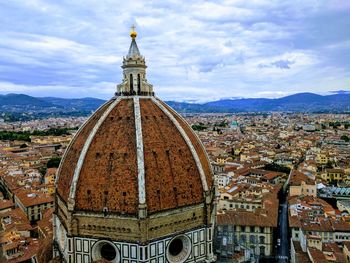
column 283, row 246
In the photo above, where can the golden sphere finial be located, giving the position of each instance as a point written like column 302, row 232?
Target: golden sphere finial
column 133, row 33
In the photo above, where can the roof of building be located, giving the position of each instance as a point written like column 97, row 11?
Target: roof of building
column 334, row 170
column 17, row 219
column 347, row 244
column 30, row 198
column 45, row 224
column 29, row 250
column 333, row 250
column 317, row 255
column 271, row 175
column 260, row 217
column 300, row 256
column 106, row 160
column 51, row 171
column 133, row 50
column 316, row 215
column 5, row 204
column 297, row 178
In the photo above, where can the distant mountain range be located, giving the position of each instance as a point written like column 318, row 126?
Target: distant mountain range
column 301, row 102
column 19, row 102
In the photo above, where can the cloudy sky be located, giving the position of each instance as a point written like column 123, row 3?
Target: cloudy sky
column 195, row 50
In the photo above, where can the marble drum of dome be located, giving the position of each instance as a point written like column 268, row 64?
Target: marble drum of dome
column 135, row 183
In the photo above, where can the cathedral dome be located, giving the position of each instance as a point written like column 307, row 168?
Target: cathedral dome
column 135, row 184
column 132, row 151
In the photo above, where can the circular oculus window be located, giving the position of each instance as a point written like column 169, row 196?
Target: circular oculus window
column 106, row 250
column 179, row 249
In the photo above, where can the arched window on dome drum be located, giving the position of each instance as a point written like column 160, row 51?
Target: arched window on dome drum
column 131, row 84
column 138, row 84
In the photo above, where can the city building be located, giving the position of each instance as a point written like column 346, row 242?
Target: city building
column 33, row 203
column 301, row 184
column 254, row 230
column 135, row 184
column 248, row 218
column 312, row 217
column 333, row 175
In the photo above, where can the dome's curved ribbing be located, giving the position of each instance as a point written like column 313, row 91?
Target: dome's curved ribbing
column 102, row 159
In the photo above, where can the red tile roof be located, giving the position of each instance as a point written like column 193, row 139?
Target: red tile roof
column 109, row 173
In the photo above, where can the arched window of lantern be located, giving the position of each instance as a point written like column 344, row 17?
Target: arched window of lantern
column 131, row 84
column 138, row 84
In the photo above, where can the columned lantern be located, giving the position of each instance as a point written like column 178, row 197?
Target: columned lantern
column 135, row 184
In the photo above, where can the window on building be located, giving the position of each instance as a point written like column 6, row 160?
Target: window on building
column 262, row 250
column 252, row 239
column 131, row 84
column 262, row 240
column 138, row 84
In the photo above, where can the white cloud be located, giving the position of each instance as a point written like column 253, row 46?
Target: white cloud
column 273, row 94
column 194, row 50
column 44, row 47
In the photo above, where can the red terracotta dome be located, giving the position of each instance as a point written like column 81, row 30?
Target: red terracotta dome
column 135, row 183
column 134, row 150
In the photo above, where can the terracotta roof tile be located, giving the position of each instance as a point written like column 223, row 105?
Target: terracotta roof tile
column 109, row 173
column 30, row 198
column 172, row 177
column 108, row 177
column 67, row 167
column 196, row 143
column 260, row 217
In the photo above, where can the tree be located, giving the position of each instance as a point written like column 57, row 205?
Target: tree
column 345, row 138
column 53, row 162
column 222, row 124
column 329, row 165
column 198, row 127
column 335, row 125
column 42, row 170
